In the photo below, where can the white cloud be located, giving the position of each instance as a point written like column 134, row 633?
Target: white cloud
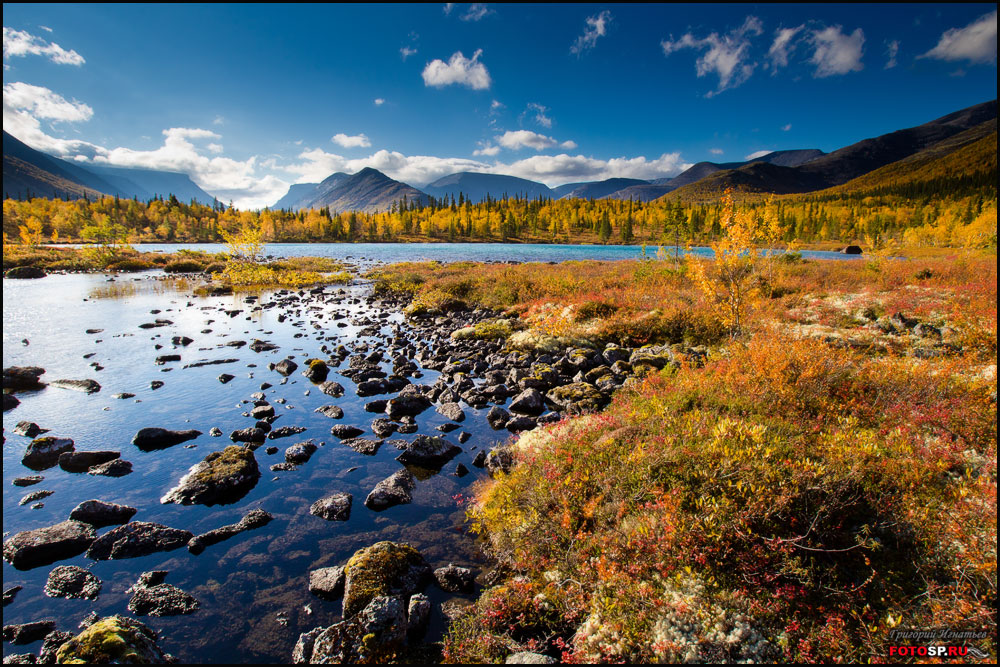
column 786, row 128
column 379, row 101
column 219, row 120
column 406, row 52
column 757, row 154
column 21, row 43
column 837, row 53
column 496, row 105
column 540, row 116
column 726, row 55
column 41, row 102
column 215, row 148
column 557, row 170
column 448, row 6
column 782, row 47
column 892, row 48
column 975, row 43
column 486, row 148
column 45, row 28
column 596, row 27
column 477, row 11
column 356, row 141
column 716, row 151
column 518, row 139
column 458, row 70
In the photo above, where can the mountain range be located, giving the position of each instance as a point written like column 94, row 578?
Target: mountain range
column 31, row 173
column 930, row 147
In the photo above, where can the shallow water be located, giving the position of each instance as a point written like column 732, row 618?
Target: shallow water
column 243, row 583
column 369, row 254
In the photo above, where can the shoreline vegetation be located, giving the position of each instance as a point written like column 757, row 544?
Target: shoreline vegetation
column 802, row 459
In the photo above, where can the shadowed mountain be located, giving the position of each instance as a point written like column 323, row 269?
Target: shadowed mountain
column 368, row 191
column 477, row 186
column 598, row 189
column 27, row 171
column 296, row 196
column 842, row 165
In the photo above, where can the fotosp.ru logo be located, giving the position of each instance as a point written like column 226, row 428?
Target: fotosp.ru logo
column 936, row 643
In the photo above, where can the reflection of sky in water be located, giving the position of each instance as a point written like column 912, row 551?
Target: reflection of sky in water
column 368, row 254
column 245, row 582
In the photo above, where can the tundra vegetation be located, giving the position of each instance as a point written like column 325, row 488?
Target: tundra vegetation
column 825, row 474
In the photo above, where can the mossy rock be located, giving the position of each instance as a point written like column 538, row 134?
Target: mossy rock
column 577, row 397
column 223, row 477
column 383, row 569
column 115, row 639
column 316, row 370
column 534, row 341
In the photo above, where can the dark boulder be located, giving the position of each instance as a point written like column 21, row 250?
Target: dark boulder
column 99, row 513
column 153, row 438
column 42, row 546
column 139, row 538
column 253, row 519
column 222, row 477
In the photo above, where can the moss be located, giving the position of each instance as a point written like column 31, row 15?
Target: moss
column 115, row 639
column 231, row 461
column 377, row 570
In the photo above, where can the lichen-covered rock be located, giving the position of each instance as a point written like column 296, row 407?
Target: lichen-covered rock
column 47, row 654
column 577, row 398
column 336, row 507
column 345, row 431
column 365, row 446
column 139, row 538
column 43, row 546
column 528, row 402
column 249, row 434
column 253, row 519
column 99, row 513
column 651, row 357
column 152, row 597
column 316, row 370
column 406, row 405
column 383, row 569
column 300, row 452
column 455, row 579
column 418, row 616
column 393, row 490
column 497, row 417
column 452, row 411
column 223, row 477
column 331, row 388
column 529, row 658
column 331, row 411
column 327, row 582
column 534, row 341
column 428, row 451
column 152, row 438
column 115, row 639
column 285, row 431
column 43, row 453
column 499, row 459
column 71, row 581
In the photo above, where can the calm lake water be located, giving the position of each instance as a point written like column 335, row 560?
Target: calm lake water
column 253, row 588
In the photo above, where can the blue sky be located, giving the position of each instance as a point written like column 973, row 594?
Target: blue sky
column 249, row 99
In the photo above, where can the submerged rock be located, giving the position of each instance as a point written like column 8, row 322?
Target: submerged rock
column 152, row 597
column 139, row 538
column 99, row 513
column 253, row 519
column 152, row 438
column 42, row 546
column 70, row 581
column 383, row 569
column 393, row 490
column 336, row 507
column 223, row 477
column 114, row 639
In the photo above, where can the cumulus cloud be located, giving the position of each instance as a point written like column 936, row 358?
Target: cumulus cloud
column 892, row 49
column 21, row 43
column 596, row 27
column 837, row 53
column 406, row 52
column 555, row 170
column 43, row 103
column 477, row 11
column 518, row 139
column 975, row 43
column 782, row 47
column 357, row 141
column 757, row 154
column 458, row 70
column 486, row 148
column 379, row 101
column 726, row 56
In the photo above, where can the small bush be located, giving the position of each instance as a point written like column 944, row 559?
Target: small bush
column 130, row 265
column 594, row 310
column 215, row 267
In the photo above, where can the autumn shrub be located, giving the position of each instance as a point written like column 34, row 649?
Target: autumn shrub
column 786, row 502
column 130, row 265
column 184, row 266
